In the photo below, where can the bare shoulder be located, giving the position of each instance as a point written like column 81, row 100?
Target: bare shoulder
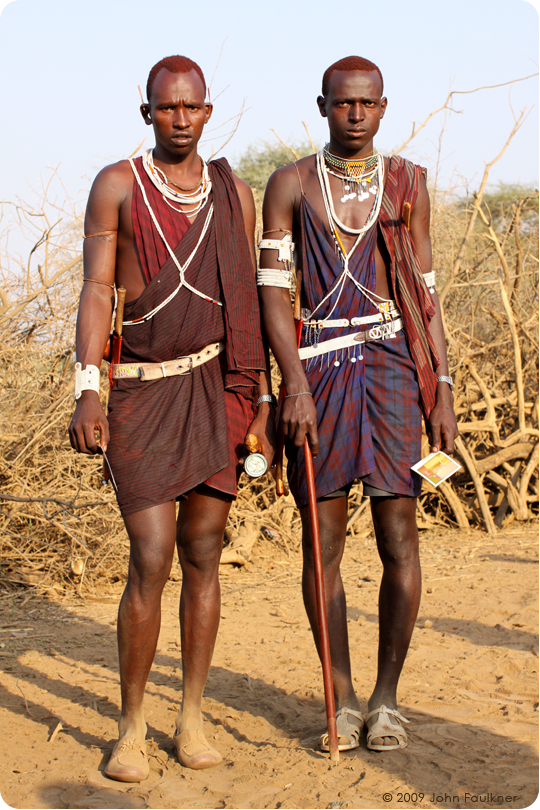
column 111, row 188
column 115, row 179
column 244, row 191
column 287, row 182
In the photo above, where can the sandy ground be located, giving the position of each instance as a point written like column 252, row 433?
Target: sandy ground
column 469, row 687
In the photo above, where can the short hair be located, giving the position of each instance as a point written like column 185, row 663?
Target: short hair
column 174, row 64
column 349, row 63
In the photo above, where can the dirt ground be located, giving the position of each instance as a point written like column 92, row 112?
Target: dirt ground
column 469, row 687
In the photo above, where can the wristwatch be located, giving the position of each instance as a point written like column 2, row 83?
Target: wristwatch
column 266, row 398
column 448, row 380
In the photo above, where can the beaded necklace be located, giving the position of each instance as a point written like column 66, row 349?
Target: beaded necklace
column 356, row 174
column 334, row 223
column 197, row 196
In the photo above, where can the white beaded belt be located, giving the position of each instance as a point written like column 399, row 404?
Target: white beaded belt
column 376, row 333
column 337, row 322
column 171, row 368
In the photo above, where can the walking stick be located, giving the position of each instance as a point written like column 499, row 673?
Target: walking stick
column 324, row 640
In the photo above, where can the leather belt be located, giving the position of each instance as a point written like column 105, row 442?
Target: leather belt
column 376, row 333
column 170, row 368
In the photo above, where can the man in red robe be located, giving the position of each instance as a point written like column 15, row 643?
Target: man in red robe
column 178, row 234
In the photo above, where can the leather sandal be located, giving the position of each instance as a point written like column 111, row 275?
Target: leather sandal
column 383, row 727
column 128, row 762
column 348, row 733
column 194, row 751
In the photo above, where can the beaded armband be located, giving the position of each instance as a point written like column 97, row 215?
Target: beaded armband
column 86, row 379
column 270, row 277
column 267, row 277
column 429, row 278
column 285, row 247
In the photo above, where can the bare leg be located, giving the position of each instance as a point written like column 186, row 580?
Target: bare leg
column 152, row 537
column 394, row 520
column 333, row 529
column 201, row 524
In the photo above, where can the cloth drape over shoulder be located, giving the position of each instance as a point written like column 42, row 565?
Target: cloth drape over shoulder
column 409, row 288
column 244, row 352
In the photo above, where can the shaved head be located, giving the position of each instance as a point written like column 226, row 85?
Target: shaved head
column 349, row 63
column 174, row 64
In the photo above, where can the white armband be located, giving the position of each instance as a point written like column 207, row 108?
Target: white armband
column 429, row 278
column 285, row 247
column 267, row 277
column 87, row 380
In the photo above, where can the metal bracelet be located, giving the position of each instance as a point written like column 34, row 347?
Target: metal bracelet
column 299, row 394
column 266, row 398
column 448, row 380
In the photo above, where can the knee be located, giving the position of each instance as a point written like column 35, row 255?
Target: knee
column 200, row 551
column 149, row 569
column 332, row 545
column 398, row 549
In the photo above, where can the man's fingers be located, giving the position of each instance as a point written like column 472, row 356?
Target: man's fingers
column 435, row 438
column 90, row 438
column 313, row 439
column 448, row 440
column 104, row 435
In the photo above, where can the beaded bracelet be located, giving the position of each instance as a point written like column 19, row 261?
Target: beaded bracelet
column 299, row 394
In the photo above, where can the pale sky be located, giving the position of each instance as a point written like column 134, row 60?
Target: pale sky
column 69, row 72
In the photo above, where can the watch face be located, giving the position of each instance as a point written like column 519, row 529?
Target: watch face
column 255, row 465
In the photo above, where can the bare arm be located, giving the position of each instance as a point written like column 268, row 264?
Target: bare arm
column 298, row 415
column 441, row 426
column 96, row 302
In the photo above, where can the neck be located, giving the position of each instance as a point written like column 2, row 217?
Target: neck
column 351, row 153
column 185, row 161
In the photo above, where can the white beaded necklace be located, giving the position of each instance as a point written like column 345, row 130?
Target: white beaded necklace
column 198, row 197
column 333, row 220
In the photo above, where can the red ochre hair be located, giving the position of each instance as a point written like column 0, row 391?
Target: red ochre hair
column 174, row 64
column 349, row 63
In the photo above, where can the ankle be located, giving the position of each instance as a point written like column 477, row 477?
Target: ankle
column 347, row 699
column 189, row 717
column 132, row 727
column 382, row 698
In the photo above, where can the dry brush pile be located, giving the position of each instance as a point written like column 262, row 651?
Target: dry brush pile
column 59, row 525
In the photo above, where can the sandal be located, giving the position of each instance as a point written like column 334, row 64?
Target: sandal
column 193, row 750
column 383, row 727
column 348, row 732
column 128, row 762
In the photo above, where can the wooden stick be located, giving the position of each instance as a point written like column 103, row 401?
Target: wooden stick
column 118, row 321
column 324, row 640
column 116, row 343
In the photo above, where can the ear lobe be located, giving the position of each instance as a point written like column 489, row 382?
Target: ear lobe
column 145, row 112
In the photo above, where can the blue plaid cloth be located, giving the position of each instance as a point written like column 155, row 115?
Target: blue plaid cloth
column 367, row 397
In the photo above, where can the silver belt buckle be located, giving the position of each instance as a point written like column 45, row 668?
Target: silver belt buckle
column 187, row 357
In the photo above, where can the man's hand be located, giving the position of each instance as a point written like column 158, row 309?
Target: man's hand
column 298, row 419
column 442, row 426
column 88, row 418
column 264, row 428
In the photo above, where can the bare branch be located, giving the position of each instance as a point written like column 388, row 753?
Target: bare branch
column 313, row 150
column 293, row 152
column 445, row 106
